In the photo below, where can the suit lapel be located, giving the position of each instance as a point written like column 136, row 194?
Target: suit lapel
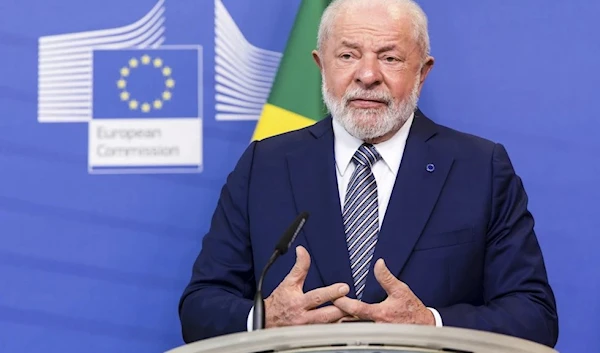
column 314, row 185
column 415, row 193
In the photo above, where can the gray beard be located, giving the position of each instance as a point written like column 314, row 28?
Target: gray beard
column 369, row 124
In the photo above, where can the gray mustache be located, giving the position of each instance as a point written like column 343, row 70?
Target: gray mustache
column 367, row 95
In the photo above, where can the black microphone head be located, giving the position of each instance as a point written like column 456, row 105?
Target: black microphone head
column 291, row 233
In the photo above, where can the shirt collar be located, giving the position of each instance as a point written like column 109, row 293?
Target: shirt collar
column 391, row 151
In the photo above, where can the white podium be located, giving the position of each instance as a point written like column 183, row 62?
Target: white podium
column 364, row 338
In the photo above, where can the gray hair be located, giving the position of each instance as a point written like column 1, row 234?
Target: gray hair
column 417, row 15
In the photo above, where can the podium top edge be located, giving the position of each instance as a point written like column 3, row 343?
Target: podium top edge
column 365, row 336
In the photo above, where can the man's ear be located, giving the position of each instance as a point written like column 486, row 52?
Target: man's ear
column 425, row 70
column 317, row 58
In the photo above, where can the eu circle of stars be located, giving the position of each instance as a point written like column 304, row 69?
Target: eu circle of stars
column 127, row 97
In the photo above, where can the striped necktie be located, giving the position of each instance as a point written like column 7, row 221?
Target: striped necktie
column 361, row 215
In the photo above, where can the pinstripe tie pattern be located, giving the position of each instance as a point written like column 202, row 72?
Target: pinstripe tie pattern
column 361, row 215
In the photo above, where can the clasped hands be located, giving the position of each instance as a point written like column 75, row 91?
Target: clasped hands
column 288, row 305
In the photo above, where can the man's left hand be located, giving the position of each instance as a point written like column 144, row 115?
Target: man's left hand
column 401, row 306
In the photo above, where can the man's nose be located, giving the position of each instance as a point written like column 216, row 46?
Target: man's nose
column 368, row 73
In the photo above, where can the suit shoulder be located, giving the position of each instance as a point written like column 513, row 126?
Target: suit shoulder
column 288, row 141
column 476, row 149
column 467, row 143
column 287, row 137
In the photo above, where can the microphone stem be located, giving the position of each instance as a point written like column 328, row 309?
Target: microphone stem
column 267, row 267
column 258, row 321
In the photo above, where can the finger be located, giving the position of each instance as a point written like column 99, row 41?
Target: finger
column 323, row 295
column 392, row 286
column 298, row 273
column 356, row 308
column 347, row 318
column 324, row 315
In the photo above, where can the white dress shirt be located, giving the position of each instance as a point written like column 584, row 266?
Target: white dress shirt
column 385, row 171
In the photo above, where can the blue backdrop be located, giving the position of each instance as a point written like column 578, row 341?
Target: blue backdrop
column 97, row 262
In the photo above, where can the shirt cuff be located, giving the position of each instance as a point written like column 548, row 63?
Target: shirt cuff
column 249, row 322
column 436, row 315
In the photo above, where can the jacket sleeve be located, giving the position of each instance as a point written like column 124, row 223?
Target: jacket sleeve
column 217, row 299
column 518, row 298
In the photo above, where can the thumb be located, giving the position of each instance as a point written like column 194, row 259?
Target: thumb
column 298, row 273
column 386, row 279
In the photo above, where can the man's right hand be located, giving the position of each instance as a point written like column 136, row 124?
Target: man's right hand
column 288, row 305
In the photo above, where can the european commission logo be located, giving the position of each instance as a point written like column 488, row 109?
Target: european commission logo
column 146, row 113
column 142, row 99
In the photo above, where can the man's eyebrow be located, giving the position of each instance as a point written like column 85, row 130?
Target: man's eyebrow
column 350, row 44
column 386, row 48
column 354, row 45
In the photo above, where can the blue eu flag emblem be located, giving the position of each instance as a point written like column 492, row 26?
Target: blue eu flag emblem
column 146, row 83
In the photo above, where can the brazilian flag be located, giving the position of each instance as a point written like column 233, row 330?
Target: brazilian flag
column 295, row 99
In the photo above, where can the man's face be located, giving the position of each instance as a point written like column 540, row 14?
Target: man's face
column 373, row 70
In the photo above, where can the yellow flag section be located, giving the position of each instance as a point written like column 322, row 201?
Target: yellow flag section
column 275, row 120
column 295, row 100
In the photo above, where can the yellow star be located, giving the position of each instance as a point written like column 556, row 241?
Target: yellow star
column 133, row 104
column 158, row 104
column 158, row 62
column 145, row 107
column 166, row 71
column 124, row 96
column 133, row 63
column 145, row 60
column 125, row 71
column 170, row 83
column 166, row 95
column 121, row 83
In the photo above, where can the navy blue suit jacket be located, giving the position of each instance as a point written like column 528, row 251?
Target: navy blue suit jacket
column 460, row 236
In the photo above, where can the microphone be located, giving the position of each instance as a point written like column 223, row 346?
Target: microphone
column 286, row 240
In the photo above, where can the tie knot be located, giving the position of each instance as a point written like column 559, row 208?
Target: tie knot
column 366, row 155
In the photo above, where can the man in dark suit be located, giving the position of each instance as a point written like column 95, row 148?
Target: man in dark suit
column 410, row 221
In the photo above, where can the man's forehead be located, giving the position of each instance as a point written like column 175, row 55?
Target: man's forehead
column 371, row 20
column 373, row 34
column 368, row 11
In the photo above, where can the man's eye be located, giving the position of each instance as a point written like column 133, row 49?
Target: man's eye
column 346, row 56
column 391, row 59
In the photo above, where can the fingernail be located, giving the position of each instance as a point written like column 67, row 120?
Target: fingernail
column 344, row 289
